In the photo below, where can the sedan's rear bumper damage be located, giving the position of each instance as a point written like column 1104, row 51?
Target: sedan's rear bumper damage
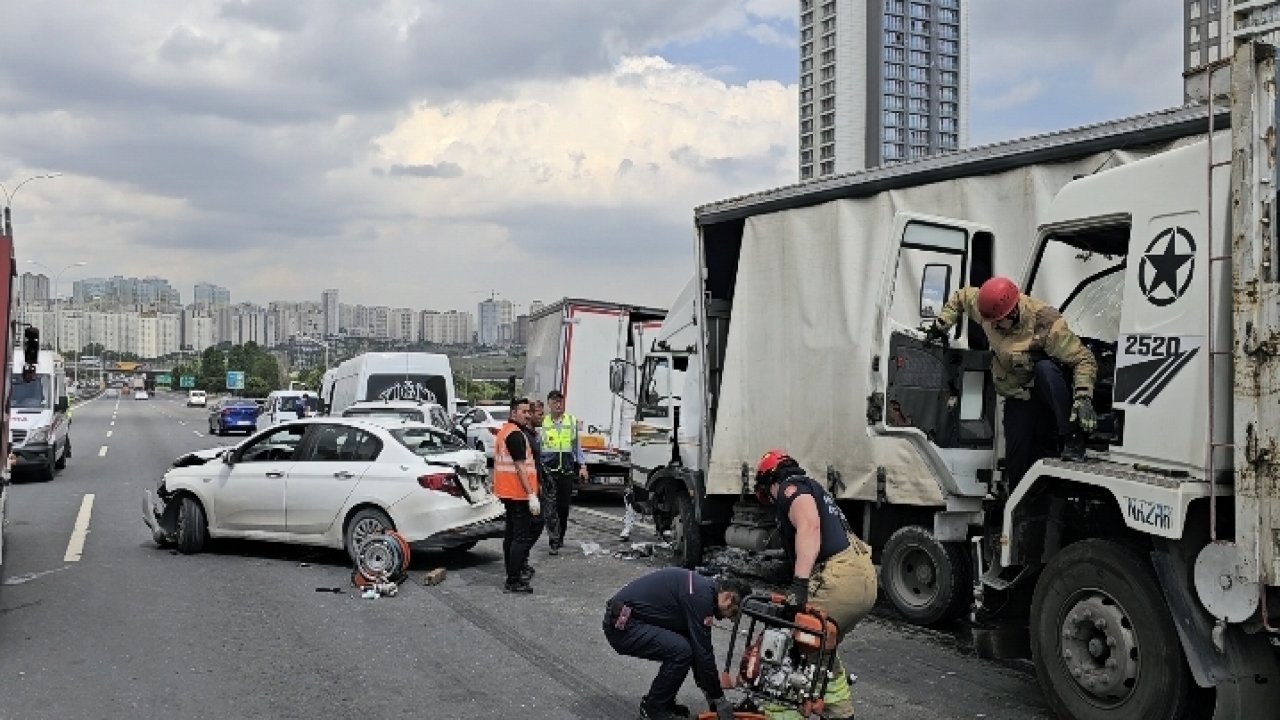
column 463, row 535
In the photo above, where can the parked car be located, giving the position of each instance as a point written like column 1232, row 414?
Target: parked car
column 197, row 398
column 233, row 415
column 331, row 482
column 141, row 395
column 429, row 413
column 482, row 424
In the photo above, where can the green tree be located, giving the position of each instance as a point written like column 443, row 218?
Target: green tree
column 311, row 378
column 257, row 387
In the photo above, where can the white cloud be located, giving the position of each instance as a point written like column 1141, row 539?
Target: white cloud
column 770, row 35
column 1019, row 94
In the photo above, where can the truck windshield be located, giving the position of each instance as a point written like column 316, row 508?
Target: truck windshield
column 1082, row 274
column 34, row 394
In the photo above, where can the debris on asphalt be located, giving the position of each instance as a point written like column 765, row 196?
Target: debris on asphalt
column 334, row 590
column 304, row 564
column 435, row 577
column 641, row 550
column 592, row 548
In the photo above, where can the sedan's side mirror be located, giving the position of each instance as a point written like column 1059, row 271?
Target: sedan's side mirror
column 228, row 458
column 460, row 433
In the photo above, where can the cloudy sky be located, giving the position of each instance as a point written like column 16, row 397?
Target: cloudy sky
column 425, row 153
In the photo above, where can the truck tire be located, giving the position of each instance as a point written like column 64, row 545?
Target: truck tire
column 1098, row 611
column 686, row 536
column 192, row 529
column 926, row 580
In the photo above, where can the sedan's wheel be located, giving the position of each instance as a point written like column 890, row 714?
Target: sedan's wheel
column 192, row 530
column 1104, row 644
column 363, row 525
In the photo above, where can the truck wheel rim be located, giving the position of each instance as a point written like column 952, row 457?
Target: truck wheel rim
column 915, row 578
column 1099, row 649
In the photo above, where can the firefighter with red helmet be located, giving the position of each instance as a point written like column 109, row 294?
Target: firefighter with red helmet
column 831, row 567
column 1030, row 346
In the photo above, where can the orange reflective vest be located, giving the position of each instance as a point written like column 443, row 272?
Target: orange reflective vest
column 506, row 483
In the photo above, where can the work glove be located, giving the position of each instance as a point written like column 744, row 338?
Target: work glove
column 1083, row 414
column 934, row 333
column 535, row 507
column 723, row 708
column 727, row 681
column 797, row 595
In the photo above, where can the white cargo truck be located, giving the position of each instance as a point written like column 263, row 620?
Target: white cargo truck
column 573, row 344
column 1142, row 581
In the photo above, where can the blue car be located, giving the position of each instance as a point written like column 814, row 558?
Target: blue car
column 233, row 416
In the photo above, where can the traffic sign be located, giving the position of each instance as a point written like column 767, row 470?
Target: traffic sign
column 166, row 380
column 187, row 381
column 235, row 380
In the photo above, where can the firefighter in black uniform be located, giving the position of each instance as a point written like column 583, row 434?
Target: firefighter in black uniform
column 667, row 616
column 831, row 567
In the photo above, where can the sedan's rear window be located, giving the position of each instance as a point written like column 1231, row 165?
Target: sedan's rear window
column 427, row 441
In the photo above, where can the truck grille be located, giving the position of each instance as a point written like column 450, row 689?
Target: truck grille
column 17, row 437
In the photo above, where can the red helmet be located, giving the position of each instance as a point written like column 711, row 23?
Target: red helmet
column 997, row 298
column 770, row 462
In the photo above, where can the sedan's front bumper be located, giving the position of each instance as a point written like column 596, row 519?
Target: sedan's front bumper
column 154, row 515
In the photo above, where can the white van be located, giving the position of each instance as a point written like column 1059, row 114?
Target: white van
column 287, row 405
column 423, row 377
column 39, row 423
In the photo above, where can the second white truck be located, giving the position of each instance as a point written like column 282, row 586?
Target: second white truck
column 572, row 347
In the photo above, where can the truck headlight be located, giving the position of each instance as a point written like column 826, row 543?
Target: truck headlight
column 38, row 435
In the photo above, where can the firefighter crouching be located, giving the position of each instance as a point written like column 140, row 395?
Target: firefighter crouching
column 832, row 567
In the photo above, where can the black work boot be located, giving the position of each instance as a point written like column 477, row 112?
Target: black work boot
column 519, row 586
column 1073, row 448
column 653, row 711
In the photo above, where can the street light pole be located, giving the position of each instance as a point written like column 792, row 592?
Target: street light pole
column 57, row 308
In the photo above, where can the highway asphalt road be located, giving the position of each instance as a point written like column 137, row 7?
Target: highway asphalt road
column 97, row 622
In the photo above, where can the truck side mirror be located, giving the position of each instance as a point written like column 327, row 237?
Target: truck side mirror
column 617, row 376
column 61, row 406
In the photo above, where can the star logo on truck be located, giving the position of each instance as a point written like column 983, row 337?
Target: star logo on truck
column 1164, row 274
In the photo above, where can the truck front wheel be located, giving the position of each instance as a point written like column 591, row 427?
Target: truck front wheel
column 926, row 580
column 1103, row 642
column 686, row 536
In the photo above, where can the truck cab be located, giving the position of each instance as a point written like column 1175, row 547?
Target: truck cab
column 39, row 415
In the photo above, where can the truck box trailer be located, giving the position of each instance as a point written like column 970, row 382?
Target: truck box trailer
column 1143, row 580
column 573, row 344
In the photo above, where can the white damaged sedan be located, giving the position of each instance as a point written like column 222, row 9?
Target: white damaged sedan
column 331, row 482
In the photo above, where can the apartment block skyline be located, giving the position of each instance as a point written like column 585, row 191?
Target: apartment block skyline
column 881, row 81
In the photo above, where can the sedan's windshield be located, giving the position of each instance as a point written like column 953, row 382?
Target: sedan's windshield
column 34, row 394
column 426, row 441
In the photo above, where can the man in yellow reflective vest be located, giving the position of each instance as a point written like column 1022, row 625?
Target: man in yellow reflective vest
column 563, row 459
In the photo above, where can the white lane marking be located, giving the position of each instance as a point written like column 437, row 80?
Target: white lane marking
column 197, row 433
column 75, row 547
column 615, row 518
column 102, row 451
column 28, row 577
column 109, row 432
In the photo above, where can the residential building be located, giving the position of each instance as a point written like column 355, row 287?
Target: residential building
column 210, row 297
column 493, row 316
column 521, row 332
column 199, row 331
column 881, row 81
column 332, row 312
column 149, row 292
column 33, row 288
column 1206, row 39
column 453, row 327
column 403, row 324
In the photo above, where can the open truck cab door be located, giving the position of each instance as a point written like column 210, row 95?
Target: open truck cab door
column 939, row 397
